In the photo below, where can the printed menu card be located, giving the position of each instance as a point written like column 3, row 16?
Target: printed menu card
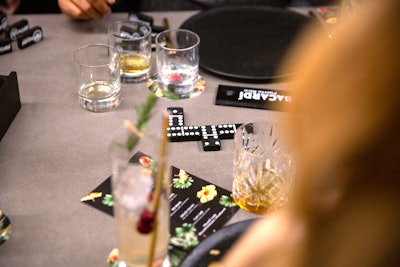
column 197, row 208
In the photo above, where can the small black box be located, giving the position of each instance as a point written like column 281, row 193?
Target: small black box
column 3, row 23
column 5, row 45
column 10, row 102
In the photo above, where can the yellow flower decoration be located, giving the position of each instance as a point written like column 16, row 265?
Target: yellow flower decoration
column 183, row 176
column 113, row 256
column 207, row 193
column 92, row 196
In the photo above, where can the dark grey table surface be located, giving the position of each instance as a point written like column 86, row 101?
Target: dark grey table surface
column 55, row 152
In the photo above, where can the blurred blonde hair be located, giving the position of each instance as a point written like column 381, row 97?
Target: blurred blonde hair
column 344, row 124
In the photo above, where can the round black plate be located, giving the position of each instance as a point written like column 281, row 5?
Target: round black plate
column 245, row 42
column 220, row 241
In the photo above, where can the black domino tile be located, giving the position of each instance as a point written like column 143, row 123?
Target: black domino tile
column 176, row 117
column 209, row 130
column 175, row 110
column 175, row 120
column 211, row 144
column 227, row 131
column 184, row 133
column 210, row 135
column 210, row 138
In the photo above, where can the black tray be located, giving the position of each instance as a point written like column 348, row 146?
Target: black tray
column 245, row 42
column 221, row 241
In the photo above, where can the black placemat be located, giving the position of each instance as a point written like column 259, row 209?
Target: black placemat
column 193, row 219
column 215, row 247
column 245, row 42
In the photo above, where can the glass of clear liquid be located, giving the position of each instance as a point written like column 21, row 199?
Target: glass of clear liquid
column 98, row 79
column 177, row 60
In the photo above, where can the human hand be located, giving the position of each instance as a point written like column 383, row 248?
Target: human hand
column 8, row 7
column 85, row 9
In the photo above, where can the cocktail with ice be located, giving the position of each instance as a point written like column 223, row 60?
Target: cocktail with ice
column 135, row 211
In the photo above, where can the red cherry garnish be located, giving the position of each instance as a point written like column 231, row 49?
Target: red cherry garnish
column 175, row 78
column 146, row 222
column 144, row 161
column 150, row 197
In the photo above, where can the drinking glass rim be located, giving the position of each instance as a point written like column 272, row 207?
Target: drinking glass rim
column 197, row 43
column 238, row 140
column 114, row 34
column 113, row 59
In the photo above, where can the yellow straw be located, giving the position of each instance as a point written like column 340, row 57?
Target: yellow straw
column 158, row 187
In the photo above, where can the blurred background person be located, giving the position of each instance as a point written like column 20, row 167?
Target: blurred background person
column 75, row 9
column 8, row 7
column 344, row 124
column 91, row 9
column 97, row 9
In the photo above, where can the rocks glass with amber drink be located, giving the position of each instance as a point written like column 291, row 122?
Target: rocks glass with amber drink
column 135, row 198
column 133, row 41
column 263, row 167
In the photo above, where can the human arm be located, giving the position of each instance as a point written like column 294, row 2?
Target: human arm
column 8, row 6
column 85, row 9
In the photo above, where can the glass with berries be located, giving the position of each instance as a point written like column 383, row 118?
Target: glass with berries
column 138, row 218
column 177, row 62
